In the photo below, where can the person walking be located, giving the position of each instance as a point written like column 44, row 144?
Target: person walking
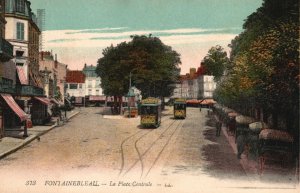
column 218, row 128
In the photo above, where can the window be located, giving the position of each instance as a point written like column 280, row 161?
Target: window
column 20, row 31
column 80, row 85
column 90, row 92
column 73, row 86
column 97, row 83
column 19, row 53
column 20, row 6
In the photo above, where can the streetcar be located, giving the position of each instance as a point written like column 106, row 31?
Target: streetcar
column 179, row 108
column 150, row 112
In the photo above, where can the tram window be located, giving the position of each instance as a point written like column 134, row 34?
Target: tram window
column 179, row 106
column 148, row 110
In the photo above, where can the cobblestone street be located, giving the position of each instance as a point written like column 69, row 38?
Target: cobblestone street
column 112, row 148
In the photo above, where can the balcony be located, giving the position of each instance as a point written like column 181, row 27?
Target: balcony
column 6, row 50
column 29, row 90
column 6, row 86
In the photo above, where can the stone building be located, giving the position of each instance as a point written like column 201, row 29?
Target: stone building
column 54, row 75
column 93, row 90
column 75, row 87
column 22, row 32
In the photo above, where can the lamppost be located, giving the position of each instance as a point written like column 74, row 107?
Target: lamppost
column 130, row 96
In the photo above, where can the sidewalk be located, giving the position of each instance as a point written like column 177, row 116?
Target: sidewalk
column 250, row 166
column 10, row 145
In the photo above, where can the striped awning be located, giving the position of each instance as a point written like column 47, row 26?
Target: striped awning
column 56, row 101
column 14, row 106
column 43, row 100
column 21, row 74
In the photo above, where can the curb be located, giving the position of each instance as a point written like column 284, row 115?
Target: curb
column 243, row 161
column 34, row 137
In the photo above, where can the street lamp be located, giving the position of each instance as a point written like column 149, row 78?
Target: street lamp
column 130, row 96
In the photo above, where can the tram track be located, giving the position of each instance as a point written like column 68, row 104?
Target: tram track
column 162, row 136
column 166, row 144
column 122, row 150
column 145, row 152
column 127, row 139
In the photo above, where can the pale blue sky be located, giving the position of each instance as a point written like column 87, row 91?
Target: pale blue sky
column 145, row 14
column 223, row 18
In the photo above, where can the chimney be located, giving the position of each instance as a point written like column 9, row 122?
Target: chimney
column 192, row 71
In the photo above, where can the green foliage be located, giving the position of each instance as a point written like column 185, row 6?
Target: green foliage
column 215, row 62
column 153, row 66
column 265, row 58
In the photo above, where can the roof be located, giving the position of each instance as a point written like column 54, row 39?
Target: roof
column 75, row 76
column 90, row 71
column 151, row 100
column 180, row 100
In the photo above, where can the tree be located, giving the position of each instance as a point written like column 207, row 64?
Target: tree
column 153, row 65
column 265, row 62
column 215, row 62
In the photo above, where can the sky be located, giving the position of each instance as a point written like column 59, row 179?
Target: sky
column 78, row 30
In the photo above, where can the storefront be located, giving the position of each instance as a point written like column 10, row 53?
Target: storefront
column 11, row 113
column 39, row 110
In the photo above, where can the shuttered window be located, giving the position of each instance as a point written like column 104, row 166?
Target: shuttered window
column 20, row 31
column 20, row 6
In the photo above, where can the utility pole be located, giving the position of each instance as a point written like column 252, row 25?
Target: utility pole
column 129, row 96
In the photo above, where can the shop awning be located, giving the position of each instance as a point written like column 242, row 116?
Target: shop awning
column 21, row 74
column 43, row 100
column 56, row 101
column 14, row 106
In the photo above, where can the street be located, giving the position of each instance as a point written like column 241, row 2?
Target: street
column 106, row 148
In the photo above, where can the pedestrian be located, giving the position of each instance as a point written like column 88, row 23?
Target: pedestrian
column 218, row 128
column 240, row 145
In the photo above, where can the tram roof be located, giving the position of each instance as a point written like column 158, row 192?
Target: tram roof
column 151, row 101
column 180, row 101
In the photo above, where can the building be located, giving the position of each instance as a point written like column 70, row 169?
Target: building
column 22, row 32
column 207, row 86
column 54, row 76
column 187, row 86
column 75, row 87
column 93, row 91
column 195, row 85
column 92, row 81
column 7, row 74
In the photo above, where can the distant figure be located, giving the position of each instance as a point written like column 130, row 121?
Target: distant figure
column 218, row 128
column 231, row 126
column 112, row 109
column 240, row 142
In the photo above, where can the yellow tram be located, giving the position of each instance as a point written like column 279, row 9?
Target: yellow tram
column 150, row 112
column 180, row 108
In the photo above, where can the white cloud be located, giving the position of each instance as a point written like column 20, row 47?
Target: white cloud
column 75, row 47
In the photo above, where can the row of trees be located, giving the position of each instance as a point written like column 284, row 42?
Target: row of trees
column 153, row 65
column 263, row 68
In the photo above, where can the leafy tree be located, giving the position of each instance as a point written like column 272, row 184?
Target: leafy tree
column 153, row 65
column 215, row 62
column 265, row 62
